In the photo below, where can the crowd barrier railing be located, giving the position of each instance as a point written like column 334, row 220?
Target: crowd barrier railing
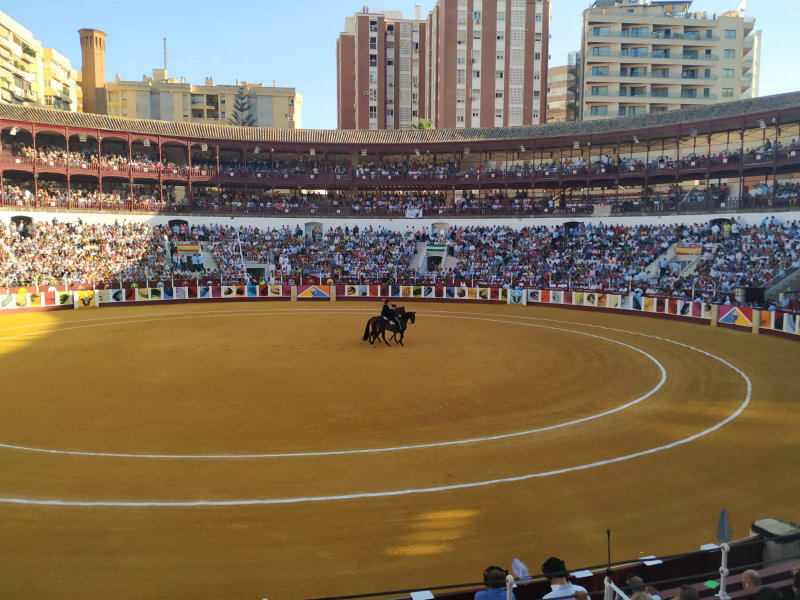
column 741, row 317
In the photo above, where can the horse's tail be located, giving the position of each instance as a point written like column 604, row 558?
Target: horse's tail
column 366, row 331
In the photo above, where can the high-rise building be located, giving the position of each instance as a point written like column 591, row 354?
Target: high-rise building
column 487, row 63
column 169, row 99
column 33, row 74
column 380, row 71
column 563, row 91
column 642, row 56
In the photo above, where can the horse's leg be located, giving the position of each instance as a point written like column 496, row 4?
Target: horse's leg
column 384, row 338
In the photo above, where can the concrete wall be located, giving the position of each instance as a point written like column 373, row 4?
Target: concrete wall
column 263, row 111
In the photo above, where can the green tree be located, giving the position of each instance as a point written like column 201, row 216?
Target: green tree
column 422, row 124
column 242, row 111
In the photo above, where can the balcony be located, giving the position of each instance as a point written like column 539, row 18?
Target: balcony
column 675, row 38
column 653, row 74
column 649, row 97
column 656, row 55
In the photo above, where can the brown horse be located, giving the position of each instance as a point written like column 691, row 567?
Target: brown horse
column 378, row 326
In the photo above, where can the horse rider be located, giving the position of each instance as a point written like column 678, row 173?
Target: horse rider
column 390, row 314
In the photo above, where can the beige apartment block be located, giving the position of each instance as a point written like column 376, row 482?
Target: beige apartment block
column 33, row 75
column 169, row 99
column 380, row 71
column 644, row 56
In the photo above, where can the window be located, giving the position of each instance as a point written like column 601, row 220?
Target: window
column 599, row 90
column 373, row 60
column 659, row 92
column 599, row 70
column 727, row 73
column 638, row 71
column 602, row 31
column 640, row 51
column 640, row 32
column 186, row 114
column 373, row 43
column 459, row 118
column 499, row 75
column 461, row 76
column 601, row 110
column 415, row 46
column 638, row 91
column 461, row 60
column 538, row 18
column 601, row 51
column 501, row 16
column 475, row 114
column 537, row 56
column 637, row 110
column 476, row 74
column 373, row 112
column 660, row 72
column 730, row 34
column 222, row 101
column 729, row 54
column 727, row 92
column 691, row 93
column 706, row 92
column 222, row 115
column 476, row 16
column 373, row 26
column 500, row 38
column 500, row 56
column 389, row 112
column 498, row 94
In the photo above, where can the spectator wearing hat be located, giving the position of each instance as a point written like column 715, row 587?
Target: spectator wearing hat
column 556, row 572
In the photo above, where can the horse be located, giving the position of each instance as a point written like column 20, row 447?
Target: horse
column 377, row 327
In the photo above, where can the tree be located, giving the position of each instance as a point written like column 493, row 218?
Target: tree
column 242, row 111
column 422, row 124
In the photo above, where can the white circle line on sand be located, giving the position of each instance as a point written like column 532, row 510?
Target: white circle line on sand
column 489, row 438
column 411, row 491
column 405, row 492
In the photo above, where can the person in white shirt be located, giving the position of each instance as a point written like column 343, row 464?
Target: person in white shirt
column 556, row 573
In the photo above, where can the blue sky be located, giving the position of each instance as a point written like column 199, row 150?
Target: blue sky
column 294, row 42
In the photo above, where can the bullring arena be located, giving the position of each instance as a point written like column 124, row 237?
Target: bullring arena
column 192, row 438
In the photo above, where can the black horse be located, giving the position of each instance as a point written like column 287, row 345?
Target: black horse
column 378, row 326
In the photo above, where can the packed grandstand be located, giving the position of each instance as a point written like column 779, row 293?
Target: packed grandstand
column 581, row 256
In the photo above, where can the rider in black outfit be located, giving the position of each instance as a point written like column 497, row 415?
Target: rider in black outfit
column 390, row 314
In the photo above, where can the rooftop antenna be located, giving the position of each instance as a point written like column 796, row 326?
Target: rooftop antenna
column 165, row 55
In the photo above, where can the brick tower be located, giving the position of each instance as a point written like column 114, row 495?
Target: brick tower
column 93, row 71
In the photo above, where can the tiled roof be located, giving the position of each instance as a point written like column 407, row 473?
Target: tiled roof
column 390, row 137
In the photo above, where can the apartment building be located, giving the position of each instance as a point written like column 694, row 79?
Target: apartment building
column 380, row 71
column 33, row 75
column 487, row 63
column 643, row 56
column 563, row 94
column 169, row 99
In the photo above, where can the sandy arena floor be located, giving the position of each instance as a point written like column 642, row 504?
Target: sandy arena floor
column 262, row 450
